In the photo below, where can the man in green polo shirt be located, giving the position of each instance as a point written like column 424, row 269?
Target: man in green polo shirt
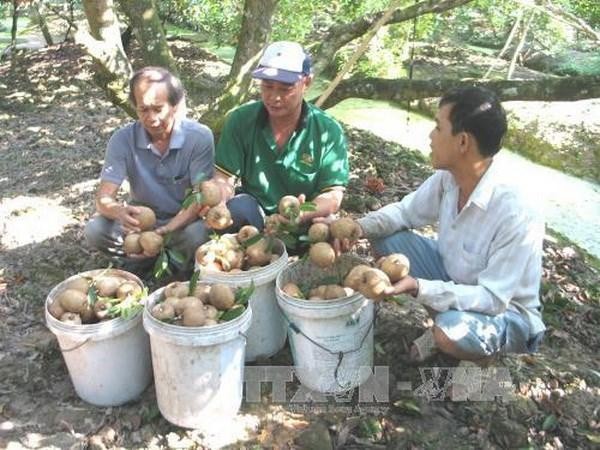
column 281, row 145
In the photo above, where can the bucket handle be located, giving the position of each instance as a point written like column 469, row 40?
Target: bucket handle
column 339, row 354
column 81, row 344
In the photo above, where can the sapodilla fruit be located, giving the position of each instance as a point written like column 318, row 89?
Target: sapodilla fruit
column 55, row 309
column 151, row 242
column 231, row 259
column 396, row 266
column 373, row 284
column 258, row 254
column 292, row 290
column 146, row 217
column 128, row 288
column 79, row 283
column 246, row 232
column 176, row 289
column 221, row 296
column 345, row 228
column 218, row 217
column 201, row 292
column 318, row 232
column 322, row 254
column 354, row 277
column 107, row 285
column 163, row 311
column 87, row 314
column 101, row 308
column 73, row 301
column 211, row 193
column 289, row 206
column 210, row 311
column 193, row 316
column 131, row 244
column 334, row 291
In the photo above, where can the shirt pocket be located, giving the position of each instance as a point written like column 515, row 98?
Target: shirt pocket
column 473, row 258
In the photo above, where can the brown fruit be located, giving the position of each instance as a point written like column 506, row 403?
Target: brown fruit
column 107, row 286
column 272, row 224
column 189, row 302
column 334, row 291
column 87, row 314
column 345, row 228
column 258, row 254
column 221, row 296
column 231, row 259
column 218, row 217
column 211, row 193
column 246, row 232
column 71, row 318
column 322, row 254
column 72, row 301
column 293, row 290
column 193, row 316
column 176, row 303
column 374, row 282
column 163, row 311
column 209, row 322
column 317, row 293
column 396, row 266
column 131, row 244
column 176, row 289
column 151, row 243
column 201, row 292
column 128, row 288
column 354, row 277
column 289, row 206
column 79, row 284
column 55, row 309
column 318, row 232
column 210, row 311
column 146, row 217
column 101, row 309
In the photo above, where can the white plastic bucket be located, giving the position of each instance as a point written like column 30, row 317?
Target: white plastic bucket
column 198, row 371
column 108, row 362
column 267, row 332
column 331, row 340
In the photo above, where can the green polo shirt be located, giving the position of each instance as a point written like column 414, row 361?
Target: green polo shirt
column 314, row 160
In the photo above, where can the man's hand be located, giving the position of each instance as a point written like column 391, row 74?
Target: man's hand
column 339, row 245
column 407, row 285
column 126, row 217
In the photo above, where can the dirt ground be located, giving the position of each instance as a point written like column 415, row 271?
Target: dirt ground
column 55, row 124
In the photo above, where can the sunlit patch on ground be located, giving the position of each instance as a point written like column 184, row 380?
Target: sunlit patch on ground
column 25, row 220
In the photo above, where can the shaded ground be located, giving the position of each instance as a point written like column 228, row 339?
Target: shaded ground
column 55, row 125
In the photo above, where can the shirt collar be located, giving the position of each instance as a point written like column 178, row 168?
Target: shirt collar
column 484, row 190
column 142, row 140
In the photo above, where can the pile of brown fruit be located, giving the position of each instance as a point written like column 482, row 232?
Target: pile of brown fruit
column 147, row 241
column 246, row 250
column 371, row 282
column 218, row 216
column 321, row 234
column 182, row 303
column 91, row 299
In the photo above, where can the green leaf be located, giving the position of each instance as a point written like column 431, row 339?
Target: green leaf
column 175, row 256
column 594, row 438
column 549, row 422
column 194, row 281
column 92, row 295
column 308, row 207
column 253, row 240
column 233, row 313
column 289, row 240
column 304, row 238
column 242, row 295
column 161, row 266
column 329, row 280
column 379, row 349
column 408, row 406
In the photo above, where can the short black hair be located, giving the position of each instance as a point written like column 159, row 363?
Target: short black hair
column 175, row 91
column 478, row 111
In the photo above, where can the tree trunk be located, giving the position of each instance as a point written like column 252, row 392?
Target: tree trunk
column 13, row 29
column 113, row 69
column 39, row 16
column 144, row 19
column 254, row 34
column 403, row 90
column 340, row 35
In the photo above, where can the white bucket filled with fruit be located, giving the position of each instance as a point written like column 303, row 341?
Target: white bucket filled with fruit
column 245, row 259
column 197, row 334
column 97, row 319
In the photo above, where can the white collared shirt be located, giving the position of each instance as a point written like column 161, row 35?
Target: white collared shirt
column 491, row 249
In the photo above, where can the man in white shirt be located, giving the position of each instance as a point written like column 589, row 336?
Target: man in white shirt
column 481, row 277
